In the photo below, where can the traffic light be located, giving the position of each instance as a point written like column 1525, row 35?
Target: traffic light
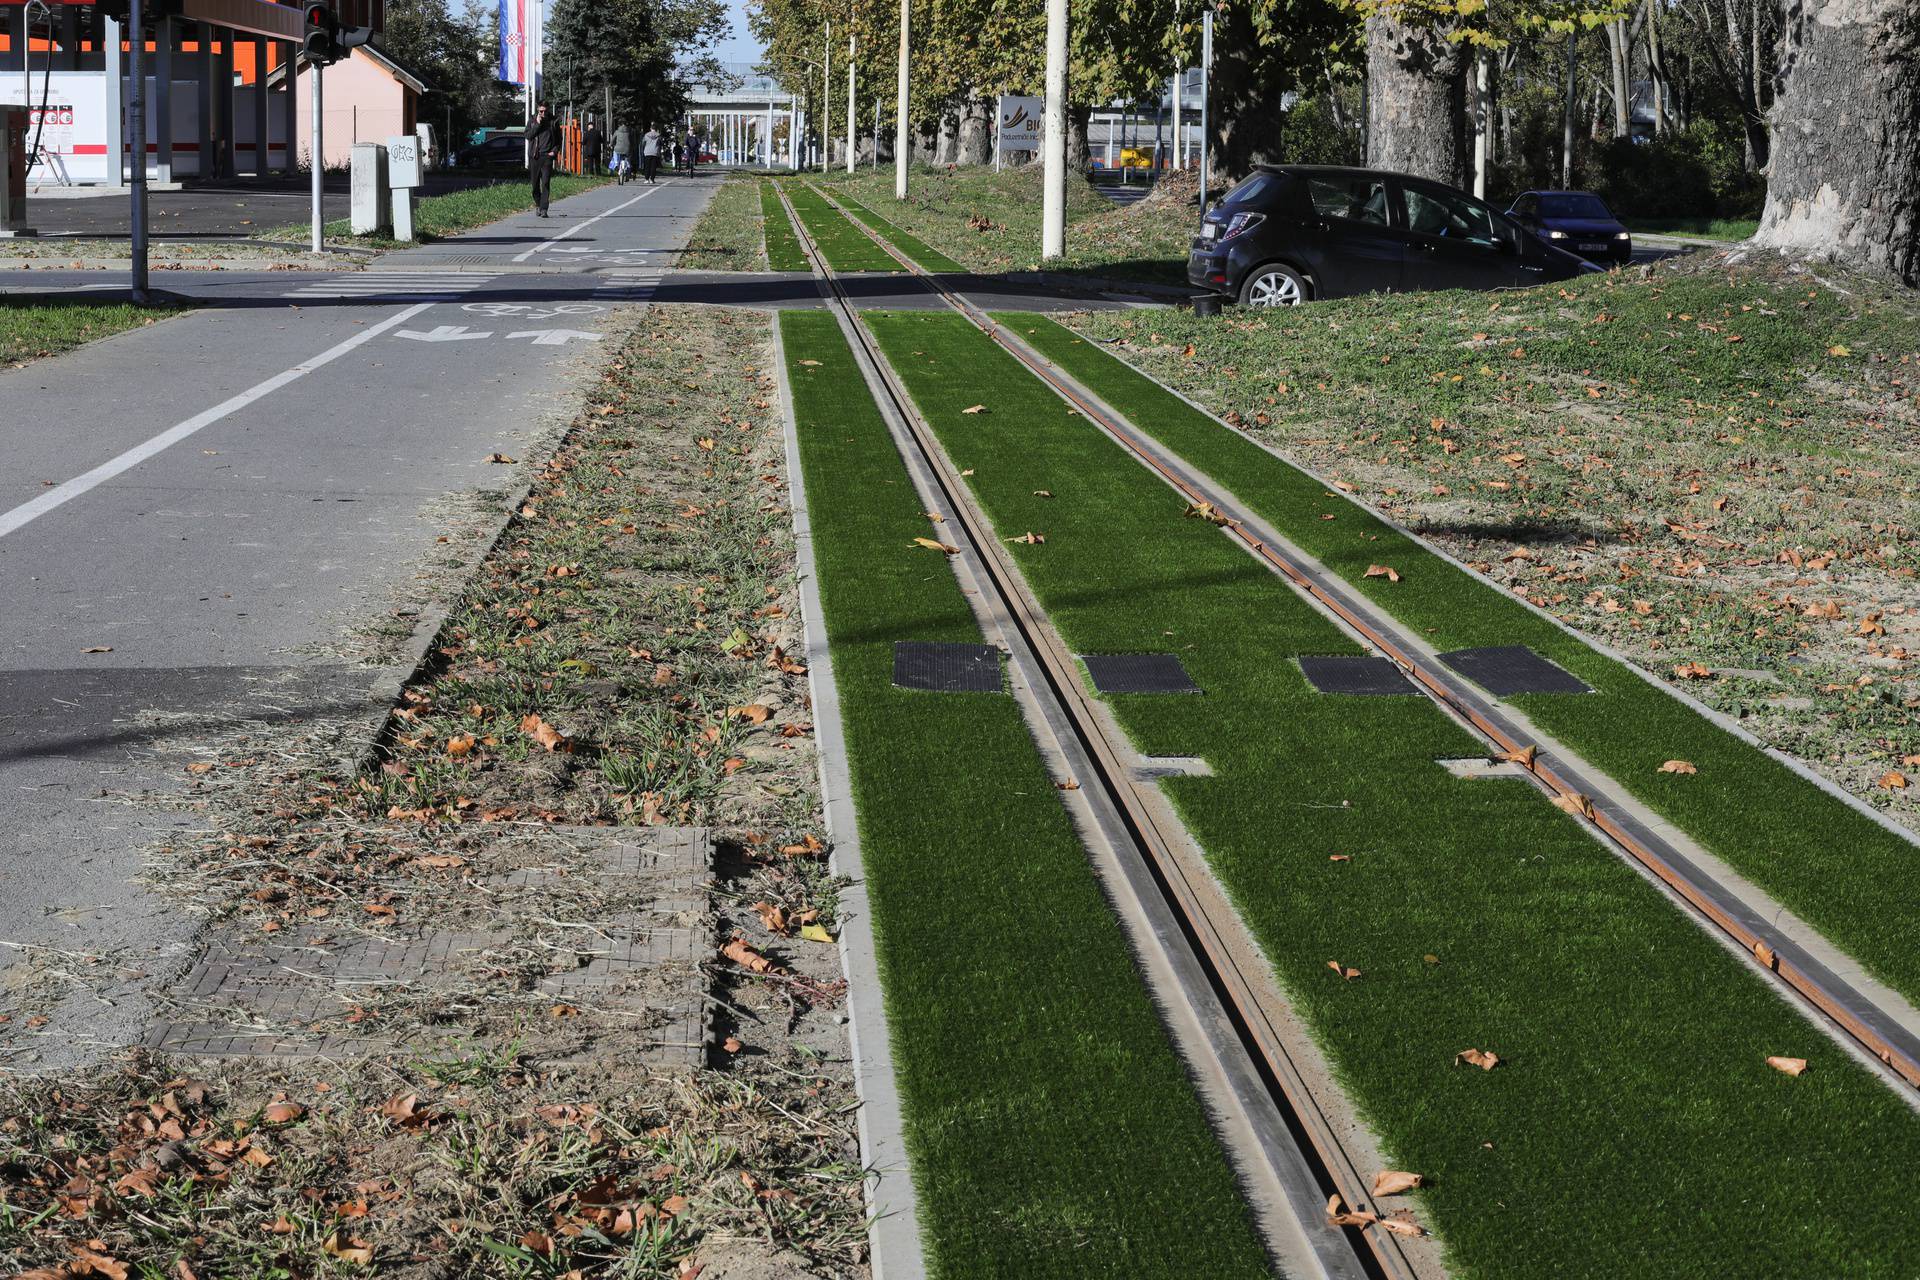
column 322, row 41
column 326, row 41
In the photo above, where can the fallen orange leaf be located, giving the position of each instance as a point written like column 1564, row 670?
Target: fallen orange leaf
column 1790, row 1066
column 1382, row 571
column 1486, row 1060
column 1679, row 766
column 1391, row 1182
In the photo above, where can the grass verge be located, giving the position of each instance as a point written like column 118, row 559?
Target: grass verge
column 36, row 328
column 1726, row 513
column 727, row 237
column 1475, row 913
column 1044, row 1104
column 437, row 217
column 990, row 222
column 845, row 246
column 634, row 608
column 1704, row 228
column 783, row 247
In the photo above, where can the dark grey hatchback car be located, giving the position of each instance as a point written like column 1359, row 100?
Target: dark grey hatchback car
column 1289, row 234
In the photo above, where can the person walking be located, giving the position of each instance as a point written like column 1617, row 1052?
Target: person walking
column 543, row 144
column 650, row 155
column 693, row 150
column 622, row 151
column 592, row 142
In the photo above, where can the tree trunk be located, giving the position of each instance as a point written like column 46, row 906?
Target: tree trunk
column 1656, row 69
column 948, row 145
column 1416, row 101
column 1079, row 150
column 1617, row 55
column 1245, row 119
column 975, row 142
column 1846, row 159
column 1566, row 119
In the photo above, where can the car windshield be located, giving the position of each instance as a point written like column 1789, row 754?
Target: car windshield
column 1575, row 204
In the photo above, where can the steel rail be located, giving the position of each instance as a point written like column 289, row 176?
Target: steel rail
column 1378, row 1252
column 1876, row 1031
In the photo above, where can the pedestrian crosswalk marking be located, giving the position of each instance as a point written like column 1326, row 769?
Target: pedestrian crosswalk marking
column 408, row 286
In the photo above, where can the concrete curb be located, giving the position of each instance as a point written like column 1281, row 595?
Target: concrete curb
column 893, row 1220
column 1720, row 719
column 54, row 262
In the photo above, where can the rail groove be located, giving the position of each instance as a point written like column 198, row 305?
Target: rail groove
column 1315, row 1144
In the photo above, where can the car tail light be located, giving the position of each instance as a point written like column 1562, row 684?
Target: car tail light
column 1240, row 222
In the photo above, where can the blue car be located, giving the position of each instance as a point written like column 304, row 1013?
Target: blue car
column 1577, row 221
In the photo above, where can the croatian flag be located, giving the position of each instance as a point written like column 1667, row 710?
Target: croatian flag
column 517, row 53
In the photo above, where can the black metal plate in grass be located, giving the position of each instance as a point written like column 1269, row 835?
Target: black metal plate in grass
column 1366, row 676
column 1138, row 673
column 946, row 668
column 1506, row 670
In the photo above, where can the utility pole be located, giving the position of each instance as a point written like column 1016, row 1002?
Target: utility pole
column 1206, row 96
column 137, row 128
column 853, row 108
column 900, row 143
column 1179, row 138
column 1566, row 120
column 1053, row 224
column 826, row 102
column 314, row 142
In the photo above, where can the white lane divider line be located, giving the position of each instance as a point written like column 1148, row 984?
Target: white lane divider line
column 582, row 226
column 61, row 494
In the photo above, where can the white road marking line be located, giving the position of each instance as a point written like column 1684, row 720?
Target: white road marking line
column 62, row 494
column 582, row 226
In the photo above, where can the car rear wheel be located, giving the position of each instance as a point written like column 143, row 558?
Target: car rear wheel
column 1273, row 286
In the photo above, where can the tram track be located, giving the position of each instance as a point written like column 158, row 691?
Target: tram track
column 1229, row 999
column 1880, row 1029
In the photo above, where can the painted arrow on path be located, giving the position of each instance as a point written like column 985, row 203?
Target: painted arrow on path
column 444, row 333
column 556, row 337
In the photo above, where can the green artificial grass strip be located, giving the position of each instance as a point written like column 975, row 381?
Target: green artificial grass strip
column 924, row 255
column 783, row 247
column 1045, row 1107
column 1838, row 869
column 1634, row 1127
column 845, row 246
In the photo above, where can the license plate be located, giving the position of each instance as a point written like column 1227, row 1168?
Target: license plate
column 1593, row 248
column 1209, row 231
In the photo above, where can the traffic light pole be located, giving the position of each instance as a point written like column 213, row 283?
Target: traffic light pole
column 318, row 164
column 137, row 141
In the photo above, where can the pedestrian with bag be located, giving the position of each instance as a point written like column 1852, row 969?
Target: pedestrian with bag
column 650, row 155
column 622, row 152
column 543, row 146
column 592, row 143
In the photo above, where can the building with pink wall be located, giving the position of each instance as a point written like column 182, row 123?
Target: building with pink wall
column 367, row 98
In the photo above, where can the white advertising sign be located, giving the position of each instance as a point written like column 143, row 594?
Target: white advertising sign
column 1020, row 123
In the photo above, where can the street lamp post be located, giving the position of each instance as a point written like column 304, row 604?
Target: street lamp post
column 853, row 112
column 900, row 145
column 826, row 102
column 1053, row 226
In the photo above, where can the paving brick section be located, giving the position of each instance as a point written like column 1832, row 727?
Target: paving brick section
column 302, row 993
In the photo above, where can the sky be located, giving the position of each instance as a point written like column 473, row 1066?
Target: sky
column 740, row 46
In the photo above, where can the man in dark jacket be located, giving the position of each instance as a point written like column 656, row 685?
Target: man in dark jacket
column 543, row 145
column 591, row 143
column 692, row 145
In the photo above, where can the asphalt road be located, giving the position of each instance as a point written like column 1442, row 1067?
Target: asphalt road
column 204, row 522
